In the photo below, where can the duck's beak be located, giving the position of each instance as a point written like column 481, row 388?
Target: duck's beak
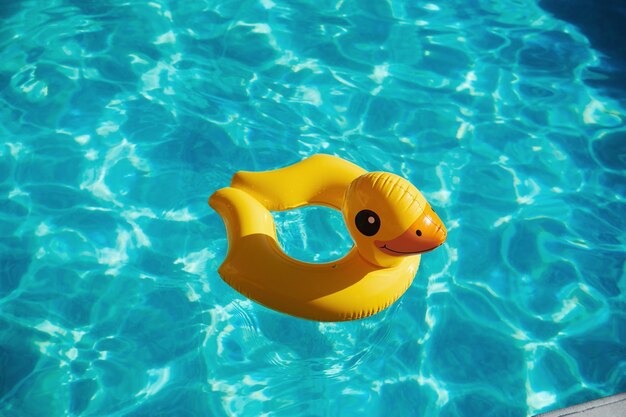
column 424, row 235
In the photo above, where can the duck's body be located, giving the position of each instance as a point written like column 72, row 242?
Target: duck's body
column 367, row 280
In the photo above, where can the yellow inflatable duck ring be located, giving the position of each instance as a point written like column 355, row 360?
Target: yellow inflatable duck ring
column 388, row 218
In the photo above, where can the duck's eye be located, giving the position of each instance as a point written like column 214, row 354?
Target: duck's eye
column 367, row 222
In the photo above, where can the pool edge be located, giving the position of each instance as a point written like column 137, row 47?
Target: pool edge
column 613, row 406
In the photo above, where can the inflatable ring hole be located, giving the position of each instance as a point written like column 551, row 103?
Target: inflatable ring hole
column 313, row 234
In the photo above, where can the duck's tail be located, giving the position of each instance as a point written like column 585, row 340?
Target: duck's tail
column 243, row 215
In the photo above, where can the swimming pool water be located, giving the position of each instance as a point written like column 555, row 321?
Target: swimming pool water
column 119, row 118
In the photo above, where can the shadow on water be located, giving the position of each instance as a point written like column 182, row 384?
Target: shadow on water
column 603, row 23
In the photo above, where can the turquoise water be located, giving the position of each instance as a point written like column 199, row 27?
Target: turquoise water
column 119, row 118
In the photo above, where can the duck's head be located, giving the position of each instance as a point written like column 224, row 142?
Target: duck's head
column 389, row 218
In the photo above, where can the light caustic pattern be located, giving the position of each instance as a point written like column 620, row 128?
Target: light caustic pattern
column 119, row 118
